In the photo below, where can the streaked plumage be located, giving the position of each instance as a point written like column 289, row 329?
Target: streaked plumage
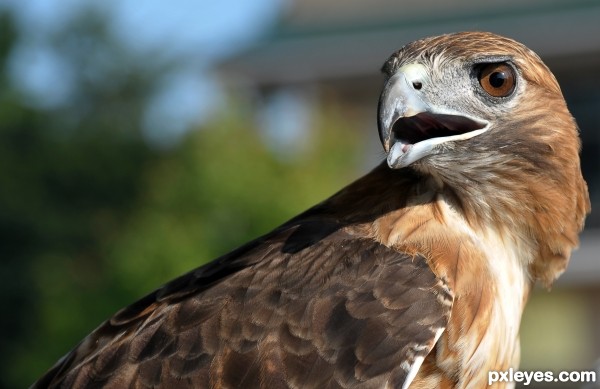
column 415, row 274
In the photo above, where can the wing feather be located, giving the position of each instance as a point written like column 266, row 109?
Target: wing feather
column 301, row 307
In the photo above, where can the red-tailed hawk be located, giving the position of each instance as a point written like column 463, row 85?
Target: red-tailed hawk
column 414, row 275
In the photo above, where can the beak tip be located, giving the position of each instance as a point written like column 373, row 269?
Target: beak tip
column 386, row 145
column 384, row 137
column 384, row 134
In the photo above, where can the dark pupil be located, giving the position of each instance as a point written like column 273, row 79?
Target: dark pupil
column 497, row 79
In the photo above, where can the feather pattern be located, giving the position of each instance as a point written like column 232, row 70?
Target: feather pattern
column 415, row 277
column 294, row 309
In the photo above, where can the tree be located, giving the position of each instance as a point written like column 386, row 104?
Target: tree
column 92, row 217
column 69, row 176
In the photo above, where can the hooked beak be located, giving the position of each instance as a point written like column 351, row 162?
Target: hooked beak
column 410, row 129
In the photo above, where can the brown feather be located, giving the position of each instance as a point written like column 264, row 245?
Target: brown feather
column 356, row 291
column 342, row 312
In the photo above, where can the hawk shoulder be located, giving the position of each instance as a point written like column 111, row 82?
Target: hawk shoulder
column 309, row 305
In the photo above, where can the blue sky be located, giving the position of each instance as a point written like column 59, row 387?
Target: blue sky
column 200, row 31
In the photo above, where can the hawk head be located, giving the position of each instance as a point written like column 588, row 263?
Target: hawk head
column 448, row 98
column 486, row 118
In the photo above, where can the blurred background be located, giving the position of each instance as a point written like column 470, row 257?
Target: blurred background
column 139, row 140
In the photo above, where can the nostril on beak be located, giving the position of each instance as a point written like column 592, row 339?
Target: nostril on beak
column 417, row 85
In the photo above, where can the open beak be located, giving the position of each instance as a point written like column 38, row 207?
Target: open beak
column 410, row 129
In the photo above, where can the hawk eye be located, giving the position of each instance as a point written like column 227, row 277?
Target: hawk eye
column 497, row 79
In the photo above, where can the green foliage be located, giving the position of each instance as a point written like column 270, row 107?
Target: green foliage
column 92, row 218
column 69, row 177
column 222, row 188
